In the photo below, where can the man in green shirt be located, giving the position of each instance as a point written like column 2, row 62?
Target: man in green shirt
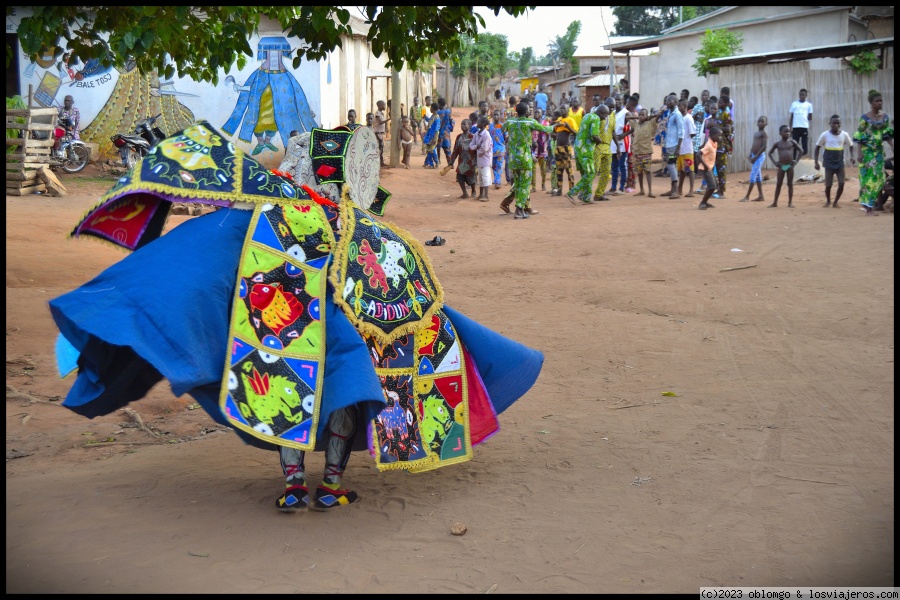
column 587, row 137
column 520, row 161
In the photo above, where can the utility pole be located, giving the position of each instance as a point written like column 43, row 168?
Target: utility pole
column 395, row 118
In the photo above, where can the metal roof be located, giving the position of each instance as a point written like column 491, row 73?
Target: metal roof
column 830, row 51
column 654, row 40
column 601, row 80
column 567, row 79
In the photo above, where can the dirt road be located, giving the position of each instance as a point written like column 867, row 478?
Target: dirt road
column 696, row 423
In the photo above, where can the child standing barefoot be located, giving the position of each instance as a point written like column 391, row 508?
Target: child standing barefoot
column 406, row 140
column 483, row 146
column 834, row 141
column 757, row 157
column 707, row 164
column 789, row 152
column 642, row 149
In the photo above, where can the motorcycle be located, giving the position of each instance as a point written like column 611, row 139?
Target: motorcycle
column 135, row 146
column 70, row 155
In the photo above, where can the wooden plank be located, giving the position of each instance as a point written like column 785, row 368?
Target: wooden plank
column 18, row 166
column 21, row 176
column 27, row 191
column 24, row 191
column 20, row 112
column 32, row 127
column 30, row 142
column 54, row 185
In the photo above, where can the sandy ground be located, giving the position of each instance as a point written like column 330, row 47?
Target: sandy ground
column 692, row 426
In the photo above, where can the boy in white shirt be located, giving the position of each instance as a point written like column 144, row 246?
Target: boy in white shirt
column 799, row 115
column 834, row 141
column 685, row 162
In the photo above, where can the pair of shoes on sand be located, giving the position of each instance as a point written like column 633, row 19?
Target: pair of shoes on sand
column 296, row 499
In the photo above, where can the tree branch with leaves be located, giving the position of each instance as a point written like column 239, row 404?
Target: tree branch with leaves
column 716, row 43
column 202, row 42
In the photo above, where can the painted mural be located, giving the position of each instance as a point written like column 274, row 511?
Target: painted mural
column 135, row 97
column 271, row 101
column 259, row 114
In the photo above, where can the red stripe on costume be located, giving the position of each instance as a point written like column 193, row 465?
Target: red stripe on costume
column 483, row 421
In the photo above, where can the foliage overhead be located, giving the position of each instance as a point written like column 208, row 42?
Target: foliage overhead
column 651, row 20
column 716, row 44
column 562, row 48
column 201, row 42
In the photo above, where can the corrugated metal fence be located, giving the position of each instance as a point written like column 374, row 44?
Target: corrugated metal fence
column 769, row 89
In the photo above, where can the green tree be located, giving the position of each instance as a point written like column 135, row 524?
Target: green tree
column 652, row 20
column 198, row 42
column 526, row 59
column 16, row 102
column 716, row 44
column 483, row 58
column 544, row 61
column 562, row 48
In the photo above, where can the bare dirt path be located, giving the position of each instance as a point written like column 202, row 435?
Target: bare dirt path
column 692, row 426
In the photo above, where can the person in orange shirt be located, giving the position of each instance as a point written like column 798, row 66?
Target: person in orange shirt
column 564, row 130
column 707, row 164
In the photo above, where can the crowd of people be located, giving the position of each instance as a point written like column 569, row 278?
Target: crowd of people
column 522, row 140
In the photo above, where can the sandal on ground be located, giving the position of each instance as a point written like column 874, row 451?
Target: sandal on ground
column 436, row 241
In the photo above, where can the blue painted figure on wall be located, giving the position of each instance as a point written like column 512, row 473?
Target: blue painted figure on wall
column 270, row 101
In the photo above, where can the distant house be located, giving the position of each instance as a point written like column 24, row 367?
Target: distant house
column 764, row 29
column 560, row 87
column 594, row 57
column 544, row 74
column 599, row 85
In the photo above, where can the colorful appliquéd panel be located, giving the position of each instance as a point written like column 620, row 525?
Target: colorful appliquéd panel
column 442, row 407
column 382, row 278
column 395, row 431
column 399, row 354
column 440, row 384
column 272, row 397
column 279, row 304
column 327, row 148
column 128, row 222
column 272, row 385
column 196, row 164
column 301, row 230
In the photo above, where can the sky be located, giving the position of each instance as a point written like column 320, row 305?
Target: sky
column 539, row 26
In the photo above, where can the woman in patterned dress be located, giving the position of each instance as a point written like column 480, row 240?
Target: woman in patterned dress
column 874, row 129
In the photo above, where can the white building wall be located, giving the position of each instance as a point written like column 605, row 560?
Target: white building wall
column 670, row 70
column 117, row 99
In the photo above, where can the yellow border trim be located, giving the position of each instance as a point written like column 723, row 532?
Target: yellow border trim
column 320, row 374
column 432, row 460
column 341, row 250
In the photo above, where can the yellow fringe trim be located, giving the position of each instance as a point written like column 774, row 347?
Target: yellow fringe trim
column 348, row 225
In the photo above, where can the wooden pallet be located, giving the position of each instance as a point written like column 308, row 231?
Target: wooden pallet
column 24, row 165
